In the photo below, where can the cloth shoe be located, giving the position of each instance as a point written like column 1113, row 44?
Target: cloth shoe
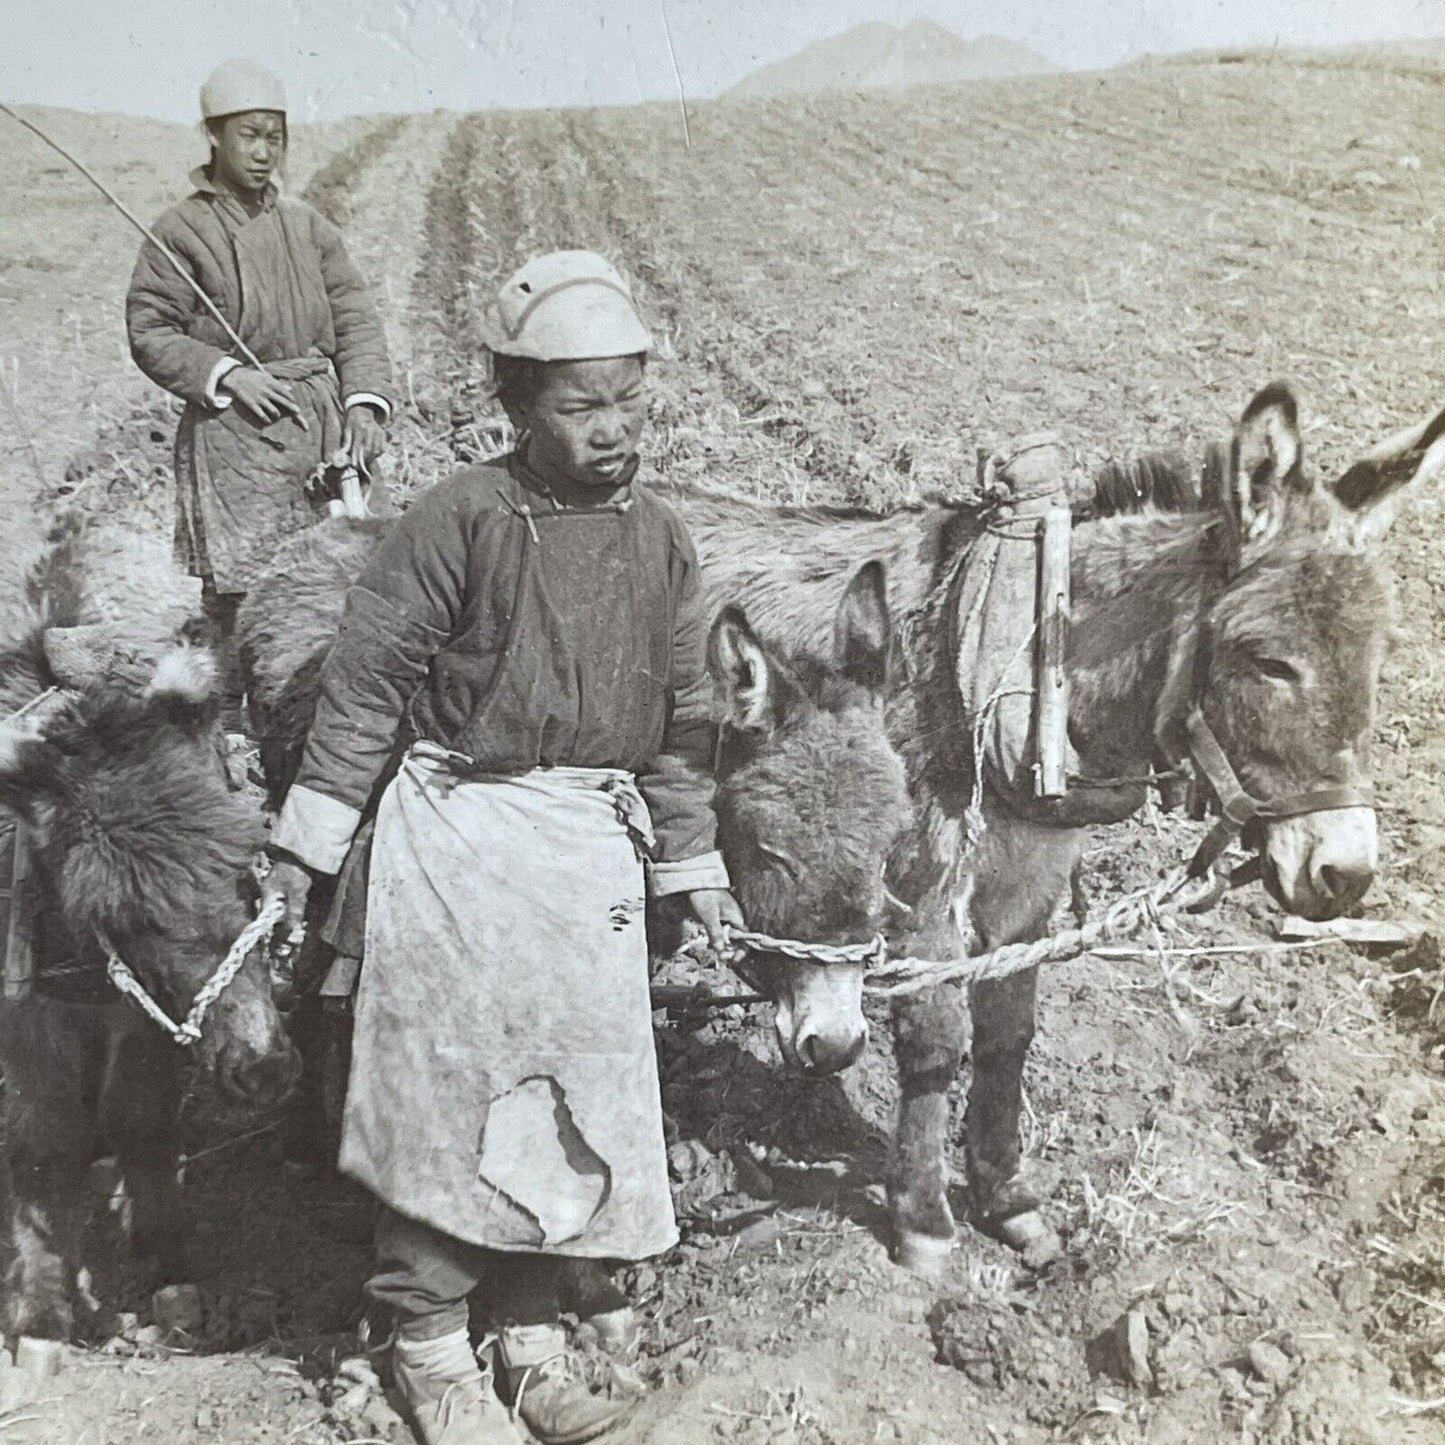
column 563, row 1397
column 449, row 1393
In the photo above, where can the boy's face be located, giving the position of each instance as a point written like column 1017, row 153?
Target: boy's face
column 248, row 148
column 585, row 419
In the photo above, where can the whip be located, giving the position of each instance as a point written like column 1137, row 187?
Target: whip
column 144, row 230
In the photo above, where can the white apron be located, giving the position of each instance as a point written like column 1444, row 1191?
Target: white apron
column 504, row 1081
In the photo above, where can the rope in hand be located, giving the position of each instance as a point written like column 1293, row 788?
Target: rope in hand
column 119, row 973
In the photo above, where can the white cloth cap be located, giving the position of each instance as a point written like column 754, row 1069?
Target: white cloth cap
column 238, row 85
column 566, row 306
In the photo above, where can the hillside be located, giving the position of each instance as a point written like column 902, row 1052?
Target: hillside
column 884, row 57
column 1422, row 57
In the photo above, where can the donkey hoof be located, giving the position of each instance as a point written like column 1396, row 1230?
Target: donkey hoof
column 178, row 1307
column 1033, row 1238
column 922, row 1254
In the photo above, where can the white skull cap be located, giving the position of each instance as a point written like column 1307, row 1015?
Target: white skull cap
column 238, row 85
column 566, row 306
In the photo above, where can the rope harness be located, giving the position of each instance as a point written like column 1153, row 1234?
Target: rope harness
column 885, row 977
column 189, row 1031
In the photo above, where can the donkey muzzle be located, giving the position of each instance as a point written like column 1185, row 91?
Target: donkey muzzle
column 1319, row 864
column 819, row 1017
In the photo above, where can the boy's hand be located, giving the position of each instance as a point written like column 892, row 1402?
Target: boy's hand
column 364, row 437
column 261, row 394
column 291, row 883
column 714, row 907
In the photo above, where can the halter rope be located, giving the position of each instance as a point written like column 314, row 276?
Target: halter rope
column 189, row 1032
column 886, row 977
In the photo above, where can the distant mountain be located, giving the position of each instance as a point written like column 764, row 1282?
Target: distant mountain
column 880, row 57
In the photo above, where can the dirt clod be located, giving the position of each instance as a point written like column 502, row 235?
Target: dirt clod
column 1122, row 1350
column 1269, row 1362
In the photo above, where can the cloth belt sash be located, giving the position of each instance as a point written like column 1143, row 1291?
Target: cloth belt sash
column 243, row 485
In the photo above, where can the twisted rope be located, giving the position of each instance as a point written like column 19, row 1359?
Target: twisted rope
column 875, row 951
column 189, row 1032
column 886, row 977
column 898, row 977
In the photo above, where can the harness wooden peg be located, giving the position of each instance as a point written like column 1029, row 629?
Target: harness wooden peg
column 1053, row 695
column 17, row 967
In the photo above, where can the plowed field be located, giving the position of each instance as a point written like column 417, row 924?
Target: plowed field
column 851, row 295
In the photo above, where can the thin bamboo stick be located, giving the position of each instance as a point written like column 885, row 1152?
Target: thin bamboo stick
column 141, row 227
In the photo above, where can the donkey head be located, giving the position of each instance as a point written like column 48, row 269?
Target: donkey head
column 811, row 800
column 1295, row 640
column 139, row 840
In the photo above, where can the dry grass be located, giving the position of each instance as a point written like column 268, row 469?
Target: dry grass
column 1151, row 1201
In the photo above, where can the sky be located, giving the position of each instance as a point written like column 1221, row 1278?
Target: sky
column 346, row 57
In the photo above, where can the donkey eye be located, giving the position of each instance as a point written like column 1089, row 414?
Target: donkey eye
column 1277, row 669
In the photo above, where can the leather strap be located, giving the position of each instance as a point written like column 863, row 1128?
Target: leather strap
column 1239, row 808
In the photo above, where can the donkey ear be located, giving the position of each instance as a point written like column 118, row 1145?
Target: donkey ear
column 863, row 629
column 29, row 772
column 749, row 684
column 186, row 687
column 1265, row 465
column 1391, row 475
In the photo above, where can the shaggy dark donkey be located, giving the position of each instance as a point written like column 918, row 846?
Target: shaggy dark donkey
column 135, row 835
column 1267, row 608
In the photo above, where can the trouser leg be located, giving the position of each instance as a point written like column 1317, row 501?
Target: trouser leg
column 423, row 1276
column 524, row 1289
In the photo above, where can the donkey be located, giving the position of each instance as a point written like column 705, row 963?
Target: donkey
column 137, row 843
column 812, row 798
column 1263, row 613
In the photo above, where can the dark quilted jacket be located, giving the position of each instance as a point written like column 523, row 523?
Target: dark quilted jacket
column 316, row 300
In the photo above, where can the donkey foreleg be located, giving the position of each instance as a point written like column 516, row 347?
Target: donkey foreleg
column 929, row 1033
column 1022, row 872
column 139, row 1119
column 1003, row 1029
column 49, row 1138
column 47, row 1220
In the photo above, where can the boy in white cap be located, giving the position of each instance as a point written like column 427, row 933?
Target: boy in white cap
column 533, row 631
column 252, row 442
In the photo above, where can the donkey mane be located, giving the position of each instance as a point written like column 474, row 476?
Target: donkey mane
column 1161, row 481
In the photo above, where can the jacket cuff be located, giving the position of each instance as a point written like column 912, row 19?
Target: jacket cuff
column 224, row 367
column 370, row 398
column 686, row 875
column 316, row 829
